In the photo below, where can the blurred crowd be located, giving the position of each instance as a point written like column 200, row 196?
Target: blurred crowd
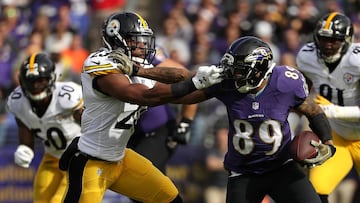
column 193, row 32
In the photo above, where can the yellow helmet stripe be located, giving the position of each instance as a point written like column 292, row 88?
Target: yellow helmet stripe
column 32, row 62
column 142, row 21
column 329, row 19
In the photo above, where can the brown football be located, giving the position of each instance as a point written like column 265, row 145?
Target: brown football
column 300, row 147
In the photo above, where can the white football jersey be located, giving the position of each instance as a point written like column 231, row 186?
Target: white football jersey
column 342, row 86
column 57, row 127
column 107, row 123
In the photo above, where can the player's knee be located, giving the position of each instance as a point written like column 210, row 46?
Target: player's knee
column 177, row 199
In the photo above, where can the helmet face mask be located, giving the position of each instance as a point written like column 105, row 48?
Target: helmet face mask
column 130, row 32
column 249, row 62
column 37, row 77
column 333, row 36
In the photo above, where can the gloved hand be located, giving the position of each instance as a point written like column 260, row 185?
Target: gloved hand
column 23, row 156
column 325, row 152
column 124, row 63
column 182, row 135
column 207, row 76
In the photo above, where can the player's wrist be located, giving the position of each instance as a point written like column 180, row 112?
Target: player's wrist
column 320, row 125
column 135, row 69
column 182, row 88
column 186, row 120
column 332, row 149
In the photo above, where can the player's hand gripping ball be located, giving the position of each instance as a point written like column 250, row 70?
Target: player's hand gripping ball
column 301, row 147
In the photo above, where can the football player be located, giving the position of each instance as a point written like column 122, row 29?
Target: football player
column 258, row 96
column 332, row 65
column 113, row 104
column 50, row 111
column 164, row 133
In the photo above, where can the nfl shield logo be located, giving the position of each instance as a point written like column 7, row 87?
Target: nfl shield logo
column 255, row 105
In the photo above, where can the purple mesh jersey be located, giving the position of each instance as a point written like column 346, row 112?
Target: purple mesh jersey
column 258, row 129
column 156, row 116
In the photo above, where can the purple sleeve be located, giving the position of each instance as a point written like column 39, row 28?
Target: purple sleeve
column 290, row 80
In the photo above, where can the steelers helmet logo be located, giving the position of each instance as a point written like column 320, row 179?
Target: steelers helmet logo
column 113, row 27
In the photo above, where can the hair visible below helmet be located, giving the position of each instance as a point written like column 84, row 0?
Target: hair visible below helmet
column 35, row 67
column 119, row 27
column 248, row 60
column 334, row 26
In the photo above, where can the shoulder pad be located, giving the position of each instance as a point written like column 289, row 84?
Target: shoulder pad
column 98, row 64
column 69, row 95
column 289, row 79
column 306, row 54
column 354, row 55
column 15, row 101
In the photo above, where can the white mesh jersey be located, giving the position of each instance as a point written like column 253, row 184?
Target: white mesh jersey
column 342, row 86
column 57, row 127
column 107, row 123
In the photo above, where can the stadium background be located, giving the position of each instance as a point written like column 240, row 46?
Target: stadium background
column 201, row 30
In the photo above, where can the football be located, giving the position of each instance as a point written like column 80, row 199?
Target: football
column 300, row 147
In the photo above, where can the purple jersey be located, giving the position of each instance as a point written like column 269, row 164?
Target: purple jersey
column 258, row 129
column 157, row 116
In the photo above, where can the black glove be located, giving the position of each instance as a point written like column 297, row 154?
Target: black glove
column 68, row 154
column 182, row 134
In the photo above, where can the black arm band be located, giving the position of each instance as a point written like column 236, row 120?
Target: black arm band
column 135, row 70
column 319, row 124
column 182, row 88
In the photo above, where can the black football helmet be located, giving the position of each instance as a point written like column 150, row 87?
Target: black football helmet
column 119, row 28
column 333, row 28
column 248, row 60
column 37, row 67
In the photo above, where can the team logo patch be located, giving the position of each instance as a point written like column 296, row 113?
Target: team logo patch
column 255, row 105
column 348, row 78
column 112, row 27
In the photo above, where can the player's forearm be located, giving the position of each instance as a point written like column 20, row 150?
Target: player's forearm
column 164, row 74
column 189, row 111
column 350, row 113
column 317, row 119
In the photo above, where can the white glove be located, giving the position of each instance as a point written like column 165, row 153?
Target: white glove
column 325, row 152
column 23, row 156
column 207, row 76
